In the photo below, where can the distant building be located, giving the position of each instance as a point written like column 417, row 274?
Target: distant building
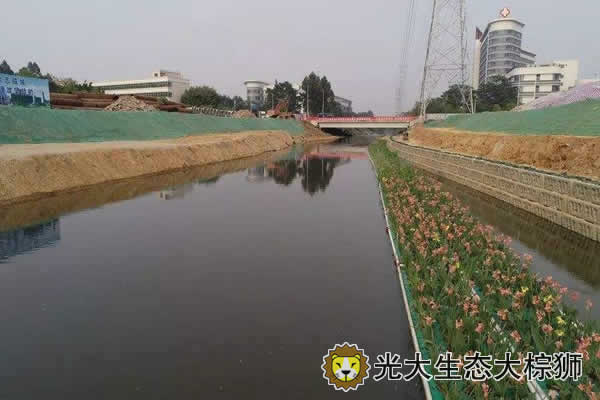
column 498, row 49
column 345, row 104
column 163, row 83
column 535, row 81
column 256, row 92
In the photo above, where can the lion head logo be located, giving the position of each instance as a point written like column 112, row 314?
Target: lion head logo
column 345, row 367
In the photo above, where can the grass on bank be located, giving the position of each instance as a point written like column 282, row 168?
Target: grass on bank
column 466, row 282
column 21, row 125
column 578, row 119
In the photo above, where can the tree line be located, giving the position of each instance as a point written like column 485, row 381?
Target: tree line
column 497, row 94
column 316, row 92
column 56, row 85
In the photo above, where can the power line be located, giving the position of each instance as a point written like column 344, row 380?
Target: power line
column 407, row 42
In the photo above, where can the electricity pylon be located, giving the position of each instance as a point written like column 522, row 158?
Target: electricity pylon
column 446, row 55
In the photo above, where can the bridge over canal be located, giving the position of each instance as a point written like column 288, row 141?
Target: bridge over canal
column 362, row 122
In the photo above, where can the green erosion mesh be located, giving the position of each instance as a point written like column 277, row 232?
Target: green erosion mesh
column 20, row 125
column 578, row 119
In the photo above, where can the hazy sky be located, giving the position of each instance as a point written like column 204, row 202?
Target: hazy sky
column 222, row 43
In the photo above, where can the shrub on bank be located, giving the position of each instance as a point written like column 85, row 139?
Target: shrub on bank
column 472, row 293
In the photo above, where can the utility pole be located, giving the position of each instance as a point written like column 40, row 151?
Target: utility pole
column 308, row 99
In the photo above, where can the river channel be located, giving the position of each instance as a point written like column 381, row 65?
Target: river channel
column 228, row 281
column 203, row 284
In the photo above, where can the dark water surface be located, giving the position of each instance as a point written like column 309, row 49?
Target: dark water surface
column 208, row 284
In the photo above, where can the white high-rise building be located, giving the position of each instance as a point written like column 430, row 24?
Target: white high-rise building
column 498, row 49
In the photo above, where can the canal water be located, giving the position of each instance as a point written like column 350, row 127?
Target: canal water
column 231, row 281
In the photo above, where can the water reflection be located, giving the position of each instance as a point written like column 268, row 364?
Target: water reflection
column 29, row 239
column 315, row 173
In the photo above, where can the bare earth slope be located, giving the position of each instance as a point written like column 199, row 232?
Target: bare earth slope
column 32, row 171
column 573, row 155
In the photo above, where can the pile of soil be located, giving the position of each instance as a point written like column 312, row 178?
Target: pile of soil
column 311, row 130
column 129, row 103
column 243, row 114
column 574, row 155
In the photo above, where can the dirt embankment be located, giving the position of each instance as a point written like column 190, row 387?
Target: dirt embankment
column 573, row 155
column 312, row 134
column 34, row 171
column 27, row 213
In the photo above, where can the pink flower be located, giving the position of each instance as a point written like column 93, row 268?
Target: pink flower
column 558, row 344
column 564, row 290
column 421, row 286
column 480, row 328
column 428, row 320
column 588, row 304
column 516, row 337
column 547, row 329
column 539, row 315
column 503, row 314
column 459, row 324
column 486, row 391
column 535, row 300
column 575, row 296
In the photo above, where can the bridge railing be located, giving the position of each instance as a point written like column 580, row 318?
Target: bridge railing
column 361, row 119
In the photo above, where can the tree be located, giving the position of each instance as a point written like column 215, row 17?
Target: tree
column 496, row 91
column 201, row 96
column 5, row 68
column 239, row 103
column 320, row 95
column 32, row 70
column 282, row 91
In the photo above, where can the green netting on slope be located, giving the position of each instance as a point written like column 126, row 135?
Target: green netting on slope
column 42, row 125
column 579, row 119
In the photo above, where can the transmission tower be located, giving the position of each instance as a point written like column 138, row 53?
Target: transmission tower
column 446, row 55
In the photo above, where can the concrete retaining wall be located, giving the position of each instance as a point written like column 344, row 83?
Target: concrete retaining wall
column 569, row 202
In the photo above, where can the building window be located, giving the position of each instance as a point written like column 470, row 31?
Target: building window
column 137, row 85
column 555, row 88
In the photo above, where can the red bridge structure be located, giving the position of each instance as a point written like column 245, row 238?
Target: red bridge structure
column 398, row 122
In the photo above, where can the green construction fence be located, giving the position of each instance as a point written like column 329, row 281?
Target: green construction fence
column 578, row 119
column 19, row 125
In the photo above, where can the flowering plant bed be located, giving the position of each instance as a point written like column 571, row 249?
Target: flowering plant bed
column 473, row 295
